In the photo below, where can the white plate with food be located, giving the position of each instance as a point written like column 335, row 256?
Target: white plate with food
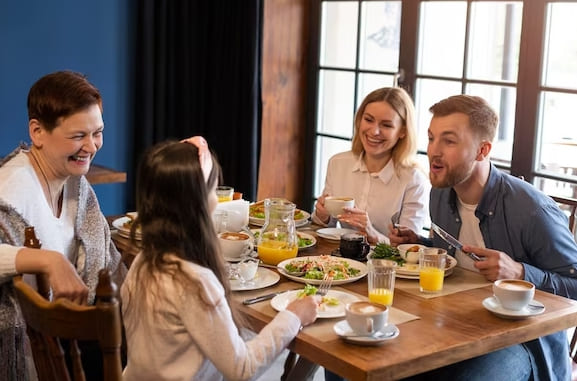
column 311, row 269
column 123, row 225
column 345, row 332
column 534, row 308
column 305, row 240
column 334, row 234
column 263, row 278
column 256, row 215
column 332, row 304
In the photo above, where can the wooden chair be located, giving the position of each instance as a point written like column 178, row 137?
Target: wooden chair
column 48, row 322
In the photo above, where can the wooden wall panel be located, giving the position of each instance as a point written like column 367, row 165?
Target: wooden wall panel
column 284, row 59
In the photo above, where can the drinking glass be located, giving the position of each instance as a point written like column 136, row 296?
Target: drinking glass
column 431, row 272
column 381, row 281
column 224, row 193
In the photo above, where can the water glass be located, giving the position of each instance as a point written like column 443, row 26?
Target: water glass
column 381, row 281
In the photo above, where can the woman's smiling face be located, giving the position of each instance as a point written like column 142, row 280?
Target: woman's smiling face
column 70, row 147
column 380, row 129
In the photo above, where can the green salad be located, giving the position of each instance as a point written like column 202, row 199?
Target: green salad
column 384, row 251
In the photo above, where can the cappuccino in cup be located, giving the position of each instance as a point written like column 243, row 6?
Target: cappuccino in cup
column 513, row 294
column 335, row 205
column 235, row 244
column 366, row 318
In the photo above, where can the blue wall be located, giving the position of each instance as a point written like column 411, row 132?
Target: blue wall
column 93, row 37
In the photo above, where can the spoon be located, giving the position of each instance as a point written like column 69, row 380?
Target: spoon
column 376, row 335
column 395, row 219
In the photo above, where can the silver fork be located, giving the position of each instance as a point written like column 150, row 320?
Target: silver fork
column 395, row 218
column 325, row 285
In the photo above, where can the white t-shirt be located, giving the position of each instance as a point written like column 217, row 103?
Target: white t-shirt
column 470, row 234
column 21, row 188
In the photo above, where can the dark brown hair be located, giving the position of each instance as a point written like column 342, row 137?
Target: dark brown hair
column 483, row 120
column 59, row 95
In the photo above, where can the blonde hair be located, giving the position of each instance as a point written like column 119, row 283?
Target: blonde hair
column 404, row 152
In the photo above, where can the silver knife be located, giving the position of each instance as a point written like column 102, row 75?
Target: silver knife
column 452, row 241
column 262, row 297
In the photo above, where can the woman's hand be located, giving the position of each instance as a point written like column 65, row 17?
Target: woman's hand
column 305, row 308
column 360, row 220
column 65, row 281
column 320, row 211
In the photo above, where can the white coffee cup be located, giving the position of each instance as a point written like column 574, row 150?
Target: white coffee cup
column 235, row 244
column 334, row 205
column 366, row 318
column 513, row 294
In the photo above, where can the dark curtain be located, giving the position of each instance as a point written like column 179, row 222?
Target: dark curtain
column 197, row 72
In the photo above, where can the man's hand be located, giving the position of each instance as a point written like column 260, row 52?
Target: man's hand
column 402, row 234
column 496, row 264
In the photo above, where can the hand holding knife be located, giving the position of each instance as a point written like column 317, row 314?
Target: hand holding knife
column 452, row 241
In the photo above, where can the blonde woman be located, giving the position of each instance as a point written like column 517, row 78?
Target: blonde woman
column 380, row 171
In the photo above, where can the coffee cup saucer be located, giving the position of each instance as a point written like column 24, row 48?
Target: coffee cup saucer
column 345, row 332
column 492, row 304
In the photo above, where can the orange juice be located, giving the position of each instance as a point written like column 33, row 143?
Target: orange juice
column 274, row 252
column 431, row 279
column 381, row 296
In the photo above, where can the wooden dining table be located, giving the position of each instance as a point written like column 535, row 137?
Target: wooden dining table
column 434, row 331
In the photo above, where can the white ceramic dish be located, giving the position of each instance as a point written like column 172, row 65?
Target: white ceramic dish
column 280, row 302
column 300, row 234
column 334, row 234
column 118, row 224
column 264, row 278
column 352, row 263
column 495, row 307
column 300, row 222
column 344, row 331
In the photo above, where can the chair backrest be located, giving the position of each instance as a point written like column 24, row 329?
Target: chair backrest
column 48, row 322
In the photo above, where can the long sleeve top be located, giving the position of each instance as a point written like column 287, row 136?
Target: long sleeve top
column 517, row 219
column 190, row 335
column 380, row 194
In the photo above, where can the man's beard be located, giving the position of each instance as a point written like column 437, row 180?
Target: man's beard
column 452, row 176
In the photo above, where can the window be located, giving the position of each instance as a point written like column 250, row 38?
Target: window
column 521, row 56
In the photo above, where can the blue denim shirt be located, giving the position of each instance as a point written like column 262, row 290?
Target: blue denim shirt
column 519, row 220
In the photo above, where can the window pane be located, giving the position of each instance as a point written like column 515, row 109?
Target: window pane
column 556, row 188
column 326, row 148
column 558, row 149
column 429, row 92
column 380, row 34
column 442, row 38
column 369, row 82
column 495, row 28
column 503, row 100
column 335, row 103
column 560, row 68
column 339, row 34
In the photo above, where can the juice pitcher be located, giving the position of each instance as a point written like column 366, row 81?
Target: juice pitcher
column 277, row 240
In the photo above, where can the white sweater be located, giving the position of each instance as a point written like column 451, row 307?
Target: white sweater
column 194, row 336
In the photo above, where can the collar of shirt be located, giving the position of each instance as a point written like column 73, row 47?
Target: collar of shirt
column 385, row 174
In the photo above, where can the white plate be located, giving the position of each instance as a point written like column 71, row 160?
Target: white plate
column 495, row 307
column 344, row 331
column 118, row 224
column 300, row 234
column 411, row 270
column 300, row 222
column 264, row 278
column 280, row 302
column 334, row 234
column 352, row 263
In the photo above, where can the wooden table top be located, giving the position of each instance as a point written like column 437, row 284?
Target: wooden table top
column 450, row 328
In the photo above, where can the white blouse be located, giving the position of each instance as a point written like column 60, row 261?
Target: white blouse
column 380, row 194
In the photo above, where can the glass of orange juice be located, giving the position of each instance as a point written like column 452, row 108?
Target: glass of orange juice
column 431, row 272
column 381, row 277
column 224, row 193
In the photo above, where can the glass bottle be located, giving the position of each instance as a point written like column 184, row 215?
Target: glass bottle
column 277, row 240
